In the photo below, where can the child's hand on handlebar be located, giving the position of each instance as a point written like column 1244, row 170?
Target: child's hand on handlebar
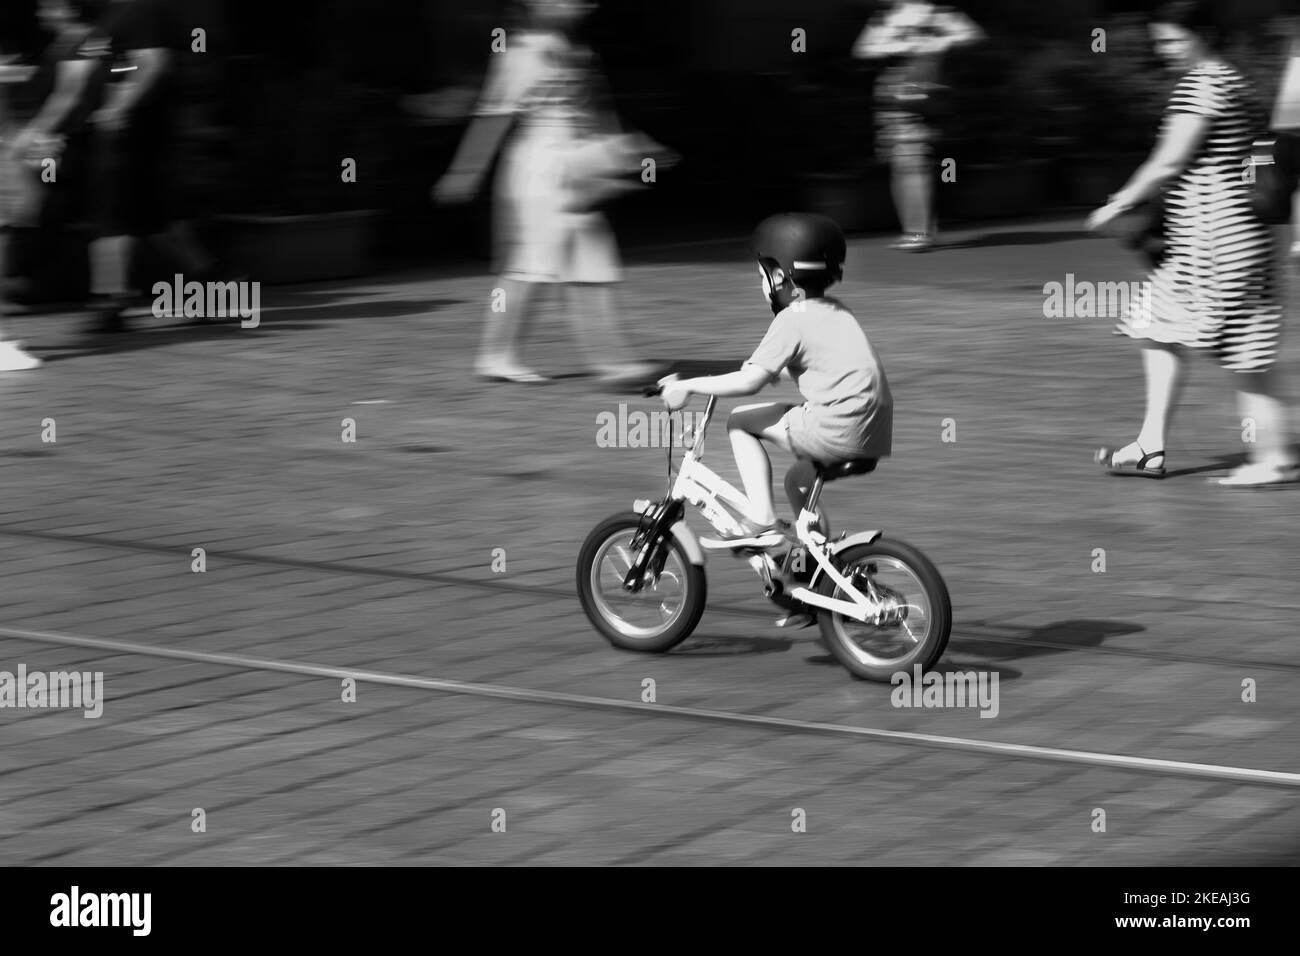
column 674, row 392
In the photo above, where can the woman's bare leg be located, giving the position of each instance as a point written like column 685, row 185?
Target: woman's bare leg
column 12, row 357
column 505, row 325
column 1164, row 368
column 1260, row 398
column 594, row 318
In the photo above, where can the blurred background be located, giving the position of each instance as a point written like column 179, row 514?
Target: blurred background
column 1035, row 119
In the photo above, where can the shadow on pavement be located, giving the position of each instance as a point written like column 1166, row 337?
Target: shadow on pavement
column 703, row 645
column 284, row 313
column 282, row 306
column 1010, row 642
column 155, row 337
column 1017, row 239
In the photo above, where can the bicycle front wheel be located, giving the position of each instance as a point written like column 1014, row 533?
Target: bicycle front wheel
column 658, row 617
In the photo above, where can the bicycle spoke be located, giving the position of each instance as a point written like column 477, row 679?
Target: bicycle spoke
column 626, row 556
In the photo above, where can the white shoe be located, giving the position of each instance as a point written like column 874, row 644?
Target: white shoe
column 628, row 374
column 510, row 373
column 14, row 359
column 1259, row 475
column 796, row 619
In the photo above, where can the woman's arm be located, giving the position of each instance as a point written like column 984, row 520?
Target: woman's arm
column 1180, row 140
column 69, row 85
column 881, row 39
column 479, row 144
column 953, row 29
column 510, row 77
column 146, row 69
column 1179, row 143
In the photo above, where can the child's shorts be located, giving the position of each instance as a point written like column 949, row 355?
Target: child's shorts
column 826, row 440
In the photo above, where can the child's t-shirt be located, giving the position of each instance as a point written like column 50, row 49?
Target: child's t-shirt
column 848, row 402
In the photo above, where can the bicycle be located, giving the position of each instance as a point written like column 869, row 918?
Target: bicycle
column 642, row 585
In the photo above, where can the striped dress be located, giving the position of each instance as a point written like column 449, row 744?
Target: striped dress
column 1215, row 288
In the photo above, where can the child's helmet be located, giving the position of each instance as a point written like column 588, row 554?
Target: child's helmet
column 805, row 246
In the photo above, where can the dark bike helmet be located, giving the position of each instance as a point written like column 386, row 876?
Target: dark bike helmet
column 799, row 249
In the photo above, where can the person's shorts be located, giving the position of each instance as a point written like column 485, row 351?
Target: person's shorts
column 903, row 137
column 813, row 439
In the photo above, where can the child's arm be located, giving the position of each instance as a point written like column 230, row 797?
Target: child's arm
column 748, row 381
column 780, row 346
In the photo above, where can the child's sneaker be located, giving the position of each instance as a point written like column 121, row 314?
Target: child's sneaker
column 13, row 358
column 764, row 538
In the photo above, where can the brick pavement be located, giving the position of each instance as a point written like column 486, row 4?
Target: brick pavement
column 349, row 555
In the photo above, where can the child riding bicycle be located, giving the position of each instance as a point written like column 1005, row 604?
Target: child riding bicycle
column 848, row 410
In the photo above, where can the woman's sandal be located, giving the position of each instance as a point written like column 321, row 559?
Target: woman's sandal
column 1139, row 468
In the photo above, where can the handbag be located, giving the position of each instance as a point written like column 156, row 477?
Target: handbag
column 1273, row 173
column 1142, row 230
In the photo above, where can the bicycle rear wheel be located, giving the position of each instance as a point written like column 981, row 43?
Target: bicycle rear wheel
column 918, row 611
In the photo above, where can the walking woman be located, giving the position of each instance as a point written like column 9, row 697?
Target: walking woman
column 565, row 150
column 19, row 183
column 911, row 37
column 1214, row 291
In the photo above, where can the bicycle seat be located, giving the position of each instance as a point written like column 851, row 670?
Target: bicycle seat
column 829, row 471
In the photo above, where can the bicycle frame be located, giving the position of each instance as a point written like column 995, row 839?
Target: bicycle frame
column 713, row 496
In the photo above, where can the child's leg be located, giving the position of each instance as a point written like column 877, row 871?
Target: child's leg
column 748, row 427
column 798, row 482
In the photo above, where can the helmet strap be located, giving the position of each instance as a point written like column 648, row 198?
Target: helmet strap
column 785, row 291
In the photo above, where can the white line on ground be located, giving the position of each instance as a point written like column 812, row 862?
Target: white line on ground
column 1016, row 751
